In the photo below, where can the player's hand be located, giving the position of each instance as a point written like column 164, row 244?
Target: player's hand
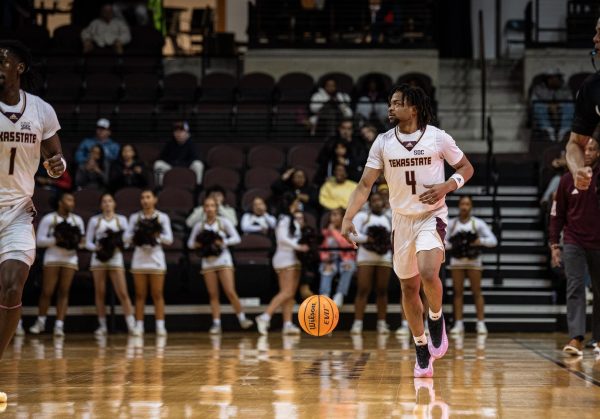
column 434, row 193
column 54, row 166
column 583, row 178
column 303, row 248
column 556, row 258
column 347, row 229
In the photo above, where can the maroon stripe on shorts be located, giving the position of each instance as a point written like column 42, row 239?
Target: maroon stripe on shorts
column 393, row 248
column 440, row 226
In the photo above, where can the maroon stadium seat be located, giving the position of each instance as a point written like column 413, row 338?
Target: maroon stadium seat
column 223, row 176
column 145, row 41
column 254, row 249
column 66, row 39
column 179, row 88
column 177, row 204
column 140, row 88
column 180, row 178
column 295, row 87
column 225, row 156
column 41, row 201
column 421, row 80
column 256, row 88
column 266, row 156
column 128, row 200
column 303, row 155
column 87, row 200
column 260, row 177
column 102, row 64
column 102, row 87
column 384, row 80
column 217, row 88
column 62, row 87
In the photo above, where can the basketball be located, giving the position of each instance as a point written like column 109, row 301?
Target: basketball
column 318, row 315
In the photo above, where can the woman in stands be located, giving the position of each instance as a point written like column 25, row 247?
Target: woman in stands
column 374, row 260
column 212, row 238
column 148, row 230
column 92, row 174
column 60, row 260
column 286, row 264
column 296, row 181
column 128, row 170
column 104, row 237
column 466, row 235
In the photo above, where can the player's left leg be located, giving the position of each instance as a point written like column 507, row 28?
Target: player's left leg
column 62, row 299
column 13, row 274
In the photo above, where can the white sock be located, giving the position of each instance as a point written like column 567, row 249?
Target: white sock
column 42, row 320
column 139, row 324
column 287, row 324
column 482, row 322
column 459, row 323
column 241, row 316
column 420, row 340
column 130, row 320
column 435, row 316
column 160, row 324
column 404, row 323
column 357, row 323
column 102, row 322
column 217, row 322
column 265, row 316
column 59, row 324
column 381, row 323
column 20, row 325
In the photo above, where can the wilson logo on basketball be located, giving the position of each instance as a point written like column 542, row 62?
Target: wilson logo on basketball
column 318, row 315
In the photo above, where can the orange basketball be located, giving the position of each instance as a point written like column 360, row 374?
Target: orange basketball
column 318, row 315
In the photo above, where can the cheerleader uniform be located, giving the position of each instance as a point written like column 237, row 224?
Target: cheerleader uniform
column 484, row 233
column 365, row 257
column 55, row 255
column 150, row 259
column 285, row 253
column 227, row 231
column 97, row 227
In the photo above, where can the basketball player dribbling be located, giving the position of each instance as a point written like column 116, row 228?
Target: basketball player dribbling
column 411, row 157
column 28, row 127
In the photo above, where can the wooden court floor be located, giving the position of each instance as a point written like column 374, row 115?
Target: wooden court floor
column 246, row 376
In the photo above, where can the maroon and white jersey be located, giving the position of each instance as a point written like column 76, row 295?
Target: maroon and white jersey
column 23, row 127
column 410, row 161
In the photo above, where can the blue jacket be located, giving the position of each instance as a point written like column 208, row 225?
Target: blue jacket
column 110, row 147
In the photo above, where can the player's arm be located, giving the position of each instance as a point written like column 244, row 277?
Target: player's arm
column 582, row 174
column 464, row 172
column 357, row 200
column 54, row 163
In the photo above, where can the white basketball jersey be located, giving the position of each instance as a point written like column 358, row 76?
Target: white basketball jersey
column 412, row 161
column 23, row 127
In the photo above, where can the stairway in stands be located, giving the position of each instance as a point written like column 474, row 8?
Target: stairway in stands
column 522, row 297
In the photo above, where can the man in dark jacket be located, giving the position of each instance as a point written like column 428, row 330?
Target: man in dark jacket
column 179, row 152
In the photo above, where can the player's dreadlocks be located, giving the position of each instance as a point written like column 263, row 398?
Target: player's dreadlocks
column 415, row 96
column 29, row 80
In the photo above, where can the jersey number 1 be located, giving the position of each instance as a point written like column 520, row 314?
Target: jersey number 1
column 13, row 154
column 410, row 181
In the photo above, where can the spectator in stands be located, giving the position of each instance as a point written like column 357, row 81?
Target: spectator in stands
column 372, row 104
column 223, row 210
column 295, row 180
column 575, row 213
column 179, row 152
column 341, row 155
column 559, row 164
column 357, row 152
column 106, row 32
column 328, row 106
column 258, row 221
column 335, row 262
column 92, row 174
column 552, row 103
column 62, row 184
column 336, row 191
column 128, row 170
column 368, row 135
column 110, row 147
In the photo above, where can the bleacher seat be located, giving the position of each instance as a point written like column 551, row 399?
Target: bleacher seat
column 223, row 176
column 260, row 177
column 180, row 178
column 265, row 156
column 225, row 156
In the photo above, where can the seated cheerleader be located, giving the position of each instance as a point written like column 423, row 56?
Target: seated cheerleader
column 336, row 261
column 104, row 237
column 60, row 232
column 212, row 237
column 374, row 260
column 148, row 230
column 286, row 265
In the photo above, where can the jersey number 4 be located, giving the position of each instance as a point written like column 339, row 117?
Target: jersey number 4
column 11, row 167
column 410, row 180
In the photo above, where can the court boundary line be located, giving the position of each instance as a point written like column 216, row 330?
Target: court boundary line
column 560, row 364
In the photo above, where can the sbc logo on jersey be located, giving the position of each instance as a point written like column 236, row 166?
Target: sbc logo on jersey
column 25, row 125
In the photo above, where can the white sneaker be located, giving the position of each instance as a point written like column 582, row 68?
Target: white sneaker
column 37, row 328
column 215, row 330
column 356, row 329
column 161, row 331
column 59, row 332
column 383, row 329
column 403, row 331
column 101, row 332
column 596, row 348
column 20, row 331
column 458, row 329
column 262, row 325
column 481, row 328
column 290, row 330
column 338, row 299
column 246, row 324
column 138, row 332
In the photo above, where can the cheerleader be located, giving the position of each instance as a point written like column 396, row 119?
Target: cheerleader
column 104, row 237
column 212, row 238
column 286, row 265
column 466, row 236
column 374, row 260
column 148, row 230
column 60, row 232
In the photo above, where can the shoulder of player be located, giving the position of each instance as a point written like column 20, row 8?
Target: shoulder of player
column 36, row 100
column 387, row 136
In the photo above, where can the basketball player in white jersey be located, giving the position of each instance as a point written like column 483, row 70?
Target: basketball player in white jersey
column 411, row 157
column 28, row 130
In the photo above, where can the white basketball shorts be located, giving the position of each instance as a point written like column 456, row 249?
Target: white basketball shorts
column 17, row 237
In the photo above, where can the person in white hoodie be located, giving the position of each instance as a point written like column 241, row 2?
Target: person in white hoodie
column 329, row 103
column 466, row 236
